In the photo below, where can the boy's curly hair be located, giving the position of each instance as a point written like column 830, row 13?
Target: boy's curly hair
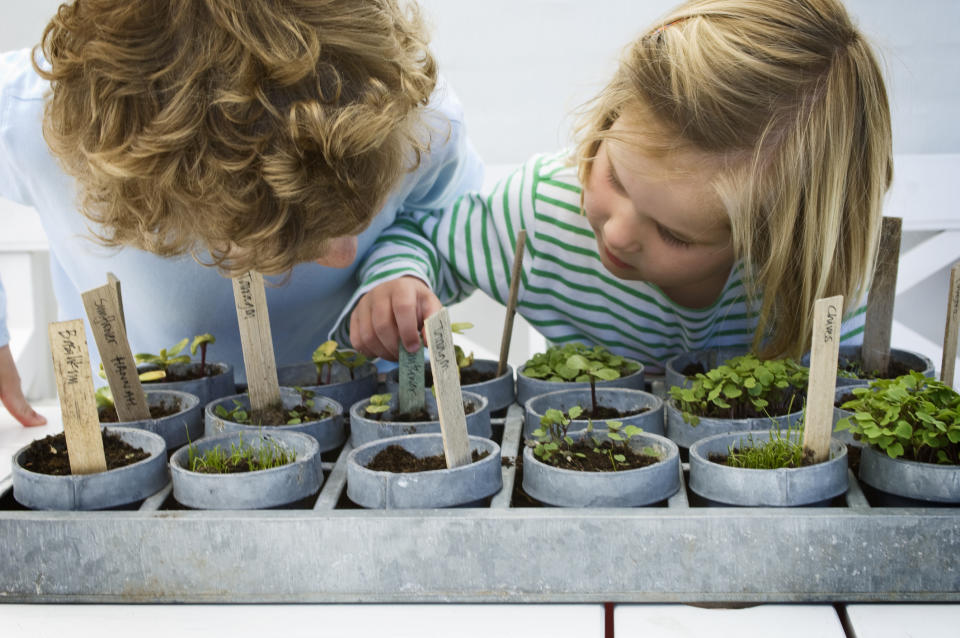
column 790, row 95
column 245, row 133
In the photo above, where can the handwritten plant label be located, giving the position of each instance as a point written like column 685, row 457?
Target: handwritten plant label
column 824, row 351
column 949, row 363
column 109, row 332
column 411, row 391
column 256, row 339
column 446, row 382
column 81, row 424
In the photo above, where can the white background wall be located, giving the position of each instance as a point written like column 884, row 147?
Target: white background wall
column 522, row 66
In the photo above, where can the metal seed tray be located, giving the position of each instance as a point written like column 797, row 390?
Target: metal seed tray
column 327, row 550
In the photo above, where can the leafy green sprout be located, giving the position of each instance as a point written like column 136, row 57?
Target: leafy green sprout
column 201, row 342
column 239, row 413
column 104, row 398
column 268, row 455
column 553, row 438
column 328, row 353
column 911, row 415
column 379, row 403
column 463, row 360
column 780, row 451
column 554, row 363
column 166, row 356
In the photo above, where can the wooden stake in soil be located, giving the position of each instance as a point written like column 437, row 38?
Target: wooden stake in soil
column 875, row 353
column 953, row 325
column 411, row 397
column 512, row 301
column 446, row 382
column 118, row 363
column 824, row 350
column 81, row 424
column 112, row 279
column 256, row 340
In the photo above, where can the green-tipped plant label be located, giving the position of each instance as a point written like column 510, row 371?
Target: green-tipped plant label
column 412, row 391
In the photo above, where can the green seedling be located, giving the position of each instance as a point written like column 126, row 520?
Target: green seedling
column 554, row 364
column 593, row 370
column 268, row 455
column 463, row 360
column 912, row 416
column 553, row 440
column 201, row 342
column 780, row 451
column 169, row 356
column 379, row 403
column 328, row 353
column 104, row 398
column 741, row 386
column 239, row 413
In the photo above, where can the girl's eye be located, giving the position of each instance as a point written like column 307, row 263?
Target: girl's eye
column 670, row 238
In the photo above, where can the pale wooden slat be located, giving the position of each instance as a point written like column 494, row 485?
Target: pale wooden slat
column 106, row 323
column 825, row 348
column 81, row 424
column 256, row 340
column 112, row 279
column 446, row 382
column 879, row 318
column 512, row 300
column 949, row 362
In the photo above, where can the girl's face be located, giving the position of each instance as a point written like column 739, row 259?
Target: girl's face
column 658, row 220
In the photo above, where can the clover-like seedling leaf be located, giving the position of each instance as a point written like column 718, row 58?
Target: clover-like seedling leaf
column 199, row 340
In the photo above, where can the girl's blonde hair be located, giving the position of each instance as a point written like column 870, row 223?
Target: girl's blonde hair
column 789, row 93
column 252, row 131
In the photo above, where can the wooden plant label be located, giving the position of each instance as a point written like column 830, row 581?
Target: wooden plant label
column 875, row 353
column 112, row 280
column 411, row 392
column 446, row 382
column 81, row 423
column 824, row 350
column 118, row 363
column 953, row 326
column 512, row 301
column 256, row 340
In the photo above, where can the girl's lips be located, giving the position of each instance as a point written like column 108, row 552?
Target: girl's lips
column 616, row 262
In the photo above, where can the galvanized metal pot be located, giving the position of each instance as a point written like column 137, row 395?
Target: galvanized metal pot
column 908, row 483
column 528, row 387
column 103, row 490
column 206, row 389
column 330, row 432
column 418, row 490
column 176, row 429
column 342, row 388
column 685, row 434
column 626, row 488
column 708, row 360
column 784, row 487
column 364, row 429
column 912, row 360
column 499, row 390
column 248, row 490
column 623, row 399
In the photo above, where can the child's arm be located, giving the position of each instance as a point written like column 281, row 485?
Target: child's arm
column 468, row 245
column 11, row 394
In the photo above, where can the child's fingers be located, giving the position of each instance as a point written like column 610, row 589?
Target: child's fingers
column 11, row 393
column 362, row 334
column 406, row 314
column 429, row 306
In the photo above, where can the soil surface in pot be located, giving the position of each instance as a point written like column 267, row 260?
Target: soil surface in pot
column 602, row 461
column 847, row 396
column 395, row 458
column 780, row 403
column 693, row 369
column 469, row 407
column 188, row 374
column 854, row 369
column 279, row 415
column 109, row 415
column 468, row 376
column 49, row 454
column 606, row 413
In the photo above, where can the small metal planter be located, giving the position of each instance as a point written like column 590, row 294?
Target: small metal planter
column 419, row 490
column 206, row 389
column 708, row 359
column 685, row 434
column 499, row 391
column 909, row 483
column 626, row 488
column 785, row 487
column 623, row 399
column 330, row 433
column 176, row 429
column 342, row 388
column 912, row 360
column 363, row 429
column 103, row 490
column 528, row 387
column 840, row 413
column 248, row 490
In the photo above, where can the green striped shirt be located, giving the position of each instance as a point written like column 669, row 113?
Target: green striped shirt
column 565, row 292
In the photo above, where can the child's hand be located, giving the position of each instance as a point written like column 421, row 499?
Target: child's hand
column 12, row 395
column 390, row 311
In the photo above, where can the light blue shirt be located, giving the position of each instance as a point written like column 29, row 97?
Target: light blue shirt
column 167, row 299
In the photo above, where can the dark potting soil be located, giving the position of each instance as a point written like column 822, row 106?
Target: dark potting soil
column 779, row 404
column 607, row 413
column 847, row 396
column 190, row 373
column 894, row 369
column 279, row 415
column 109, row 415
column 600, row 461
column 468, row 376
column 469, row 407
column 49, row 454
column 693, row 369
column 394, row 458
